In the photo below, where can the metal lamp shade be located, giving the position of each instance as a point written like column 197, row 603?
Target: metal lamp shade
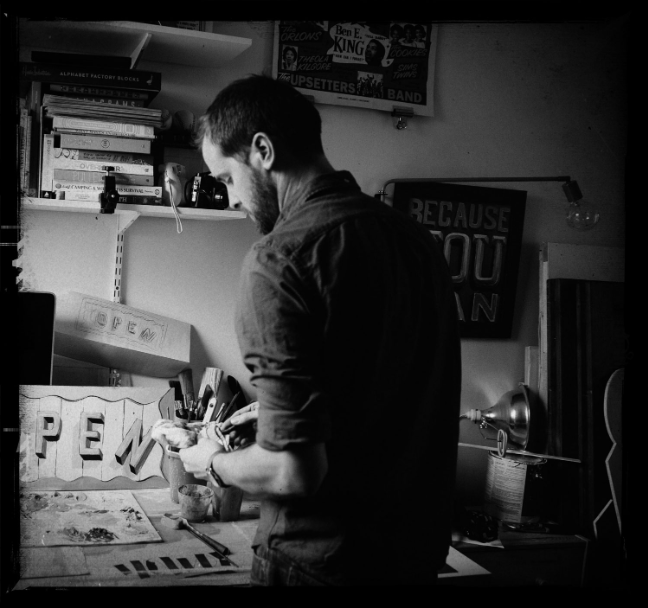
column 511, row 414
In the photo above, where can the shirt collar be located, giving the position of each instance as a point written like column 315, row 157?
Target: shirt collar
column 337, row 181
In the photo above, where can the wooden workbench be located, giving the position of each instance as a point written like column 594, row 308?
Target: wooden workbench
column 180, row 559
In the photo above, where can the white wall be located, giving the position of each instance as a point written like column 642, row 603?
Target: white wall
column 510, row 99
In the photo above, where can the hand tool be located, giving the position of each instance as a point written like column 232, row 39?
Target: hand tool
column 178, row 400
column 229, row 409
column 186, row 384
column 179, row 523
column 203, row 402
column 210, row 411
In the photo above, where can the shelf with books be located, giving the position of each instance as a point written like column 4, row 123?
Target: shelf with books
column 189, row 213
column 156, row 43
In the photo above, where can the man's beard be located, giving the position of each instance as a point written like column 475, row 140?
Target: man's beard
column 265, row 204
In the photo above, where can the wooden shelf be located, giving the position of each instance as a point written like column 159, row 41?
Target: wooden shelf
column 185, row 213
column 130, row 39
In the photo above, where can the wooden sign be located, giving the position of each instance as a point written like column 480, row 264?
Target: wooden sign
column 111, row 334
column 480, row 233
column 100, row 433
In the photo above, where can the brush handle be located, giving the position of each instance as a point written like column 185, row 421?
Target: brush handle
column 214, row 544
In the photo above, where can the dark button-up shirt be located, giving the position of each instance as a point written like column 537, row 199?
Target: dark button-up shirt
column 347, row 322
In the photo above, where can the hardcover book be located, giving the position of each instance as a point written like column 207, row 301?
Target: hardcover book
column 99, row 132
column 155, row 191
column 97, row 177
column 95, row 197
column 117, row 128
column 115, row 101
column 71, row 89
column 116, row 78
column 100, row 142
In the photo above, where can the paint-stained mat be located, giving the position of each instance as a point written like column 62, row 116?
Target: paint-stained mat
column 52, row 561
column 88, row 518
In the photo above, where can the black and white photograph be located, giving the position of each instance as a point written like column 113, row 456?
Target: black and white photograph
column 303, row 303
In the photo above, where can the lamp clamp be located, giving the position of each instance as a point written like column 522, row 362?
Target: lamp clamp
column 109, row 197
column 400, row 114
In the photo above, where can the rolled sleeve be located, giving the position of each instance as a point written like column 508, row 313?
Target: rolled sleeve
column 279, row 341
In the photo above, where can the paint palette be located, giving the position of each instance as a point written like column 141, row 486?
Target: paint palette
column 88, row 518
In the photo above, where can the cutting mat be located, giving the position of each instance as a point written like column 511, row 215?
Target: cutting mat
column 89, row 518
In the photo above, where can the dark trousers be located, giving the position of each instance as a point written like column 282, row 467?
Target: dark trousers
column 271, row 569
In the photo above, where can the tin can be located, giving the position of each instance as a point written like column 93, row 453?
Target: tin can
column 514, row 488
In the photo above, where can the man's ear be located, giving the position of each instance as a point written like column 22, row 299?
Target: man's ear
column 262, row 151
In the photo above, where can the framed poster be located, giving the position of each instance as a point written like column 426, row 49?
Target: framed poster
column 480, row 232
column 365, row 64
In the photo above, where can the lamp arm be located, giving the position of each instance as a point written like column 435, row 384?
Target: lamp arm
column 557, row 178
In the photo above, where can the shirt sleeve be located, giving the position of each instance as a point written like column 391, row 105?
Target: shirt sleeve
column 280, row 339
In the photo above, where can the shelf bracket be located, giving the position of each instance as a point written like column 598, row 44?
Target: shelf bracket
column 125, row 219
column 136, row 55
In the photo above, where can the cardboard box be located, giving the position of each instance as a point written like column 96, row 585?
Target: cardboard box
column 106, row 333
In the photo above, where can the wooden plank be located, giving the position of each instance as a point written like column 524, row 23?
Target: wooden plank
column 585, row 262
column 566, row 261
column 152, row 465
column 47, row 465
column 69, row 465
column 132, row 413
column 531, row 368
column 94, row 405
column 113, row 435
column 27, row 459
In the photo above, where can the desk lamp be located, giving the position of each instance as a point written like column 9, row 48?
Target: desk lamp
column 511, row 414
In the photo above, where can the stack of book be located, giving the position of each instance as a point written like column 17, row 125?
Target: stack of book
column 83, row 127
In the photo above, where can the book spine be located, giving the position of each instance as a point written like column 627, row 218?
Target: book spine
column 119, row 78
column 66, row 154
column 28, row 153
column 155, row 191
column 100, row 142
column 115, row 128
column 66, row 89
column 95, row 197
column 111, row 101
column 102, row 132
column 46, row 171
column 97, row 177
column 34, row 105
column 22, row 151
column 61, row 162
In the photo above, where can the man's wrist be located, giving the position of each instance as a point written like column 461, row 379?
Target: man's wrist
column 213, row 476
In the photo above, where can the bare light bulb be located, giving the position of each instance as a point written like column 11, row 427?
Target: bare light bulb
column 581, row 214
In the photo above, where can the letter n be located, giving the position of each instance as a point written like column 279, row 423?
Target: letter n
column 131, row 445
column 490, row 310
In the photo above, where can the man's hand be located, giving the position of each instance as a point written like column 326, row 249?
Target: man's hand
column 241, row 426
column 197, row 458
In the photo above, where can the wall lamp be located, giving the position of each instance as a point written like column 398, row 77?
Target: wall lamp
column 580, row 215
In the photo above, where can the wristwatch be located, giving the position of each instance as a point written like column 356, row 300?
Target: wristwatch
column 213, row 476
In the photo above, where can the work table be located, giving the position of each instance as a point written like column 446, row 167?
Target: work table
column 180, row 559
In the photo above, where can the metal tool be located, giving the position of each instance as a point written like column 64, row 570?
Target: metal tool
column 186, row 384
column 210, row 410
column 203, row 403
column 178, row 402
column 178, row 523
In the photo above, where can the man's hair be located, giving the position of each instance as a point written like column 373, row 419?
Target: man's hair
column 260, row 103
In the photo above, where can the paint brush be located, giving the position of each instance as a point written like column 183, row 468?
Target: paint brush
column 180, row 523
